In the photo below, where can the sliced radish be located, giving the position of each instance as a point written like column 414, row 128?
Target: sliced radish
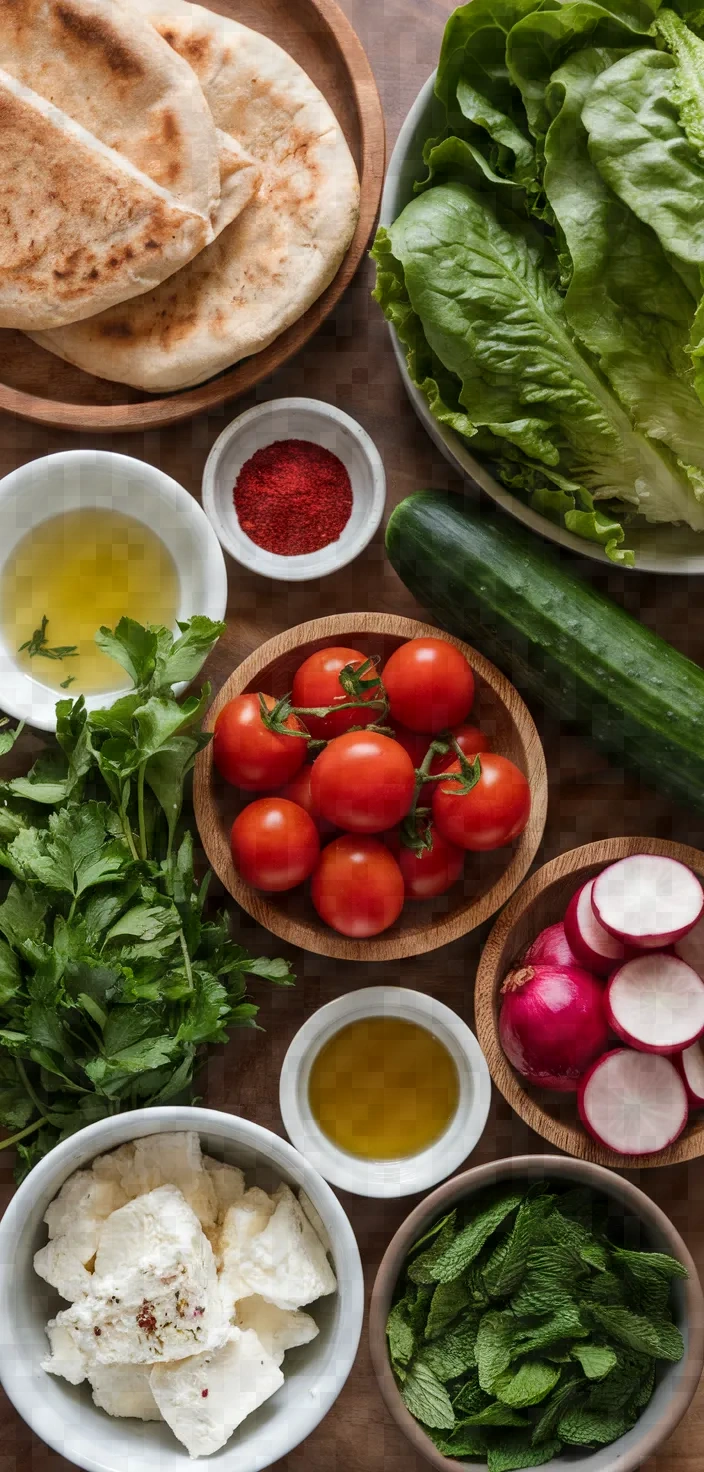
column 550, row 948
column 656, row 1003
column 634, row 1103
column 690, row 948
column 593, row 946
column 691, row 1066
column 647, row 901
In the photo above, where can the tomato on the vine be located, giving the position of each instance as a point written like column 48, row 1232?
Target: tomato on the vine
column 357, row 887
column 317, row 682
column 363, row 782
column 469, row 739
column 429, row 684
column 275, row 844
column 491, row 814
column 250, row 755
column 299, row 790
column 430, row 872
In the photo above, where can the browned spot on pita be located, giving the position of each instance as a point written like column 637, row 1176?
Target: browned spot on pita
column 120, row 328
column 97, row 31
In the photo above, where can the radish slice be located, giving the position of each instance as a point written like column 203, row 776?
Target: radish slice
column 593, row 946
column 691, row 1066
column 647, row 901
column 633, row 1103
column 550, row 948
column 691, row 948
column 656, row 1003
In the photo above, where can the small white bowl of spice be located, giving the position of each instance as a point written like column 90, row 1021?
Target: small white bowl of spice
column 385, row 1091
column 294, row 489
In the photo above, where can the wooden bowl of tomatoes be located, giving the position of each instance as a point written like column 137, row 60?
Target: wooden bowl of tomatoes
column 341, row 826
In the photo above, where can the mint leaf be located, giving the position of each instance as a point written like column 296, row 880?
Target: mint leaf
column 661, row 1340
column 597, row 1360
column 564, row 1323
column 530, row 1384
column 470, row 1398
column 595, row 1256
column 515, row 1452
column 431, row 1234
column 583, row 1427
column 400, row 1336
column 452, row 1354
column 509, row 1261
column 496, row 1414
column 447, row 1302
column 458, row 1255
column 426, row 1398
column 553, row 1408
column 464, row 1442
column 496, row 1338
column 606, row 1288
column 422, row 1269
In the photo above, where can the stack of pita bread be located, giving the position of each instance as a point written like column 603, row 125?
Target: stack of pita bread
column 176, row 192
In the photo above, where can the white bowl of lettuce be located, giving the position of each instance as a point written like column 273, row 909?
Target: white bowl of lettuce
column 543, row 289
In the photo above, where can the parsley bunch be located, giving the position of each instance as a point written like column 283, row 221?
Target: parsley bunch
column 519, row 1329
column 112, row 976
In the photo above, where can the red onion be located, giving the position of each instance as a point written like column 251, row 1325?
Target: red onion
column 551, row 947
column 552, row 1024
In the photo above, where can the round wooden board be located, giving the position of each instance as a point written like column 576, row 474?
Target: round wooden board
column 489, row 878
column 540, row 902
column 41, row 387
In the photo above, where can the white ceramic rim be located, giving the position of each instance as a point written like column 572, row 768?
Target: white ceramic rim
column 15, row 694
column 269, row 564
column 386, row 1178
column 450, row 445
column 106, row 1134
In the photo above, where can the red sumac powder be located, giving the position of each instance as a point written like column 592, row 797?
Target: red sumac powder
column 293, row 497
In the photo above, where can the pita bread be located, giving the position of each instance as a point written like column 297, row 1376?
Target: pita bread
column 81, row 226
column 266, row 268
column 103, row 65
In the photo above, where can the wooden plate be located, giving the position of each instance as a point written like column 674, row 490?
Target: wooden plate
column 42, row 387
column 542, row 901
column 489, row 878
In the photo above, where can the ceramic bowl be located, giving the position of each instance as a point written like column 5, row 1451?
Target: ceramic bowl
column 542, row 901
column 668, row 549
column 489, row 878
column 87, row 479
column 386, row 1178
column 303, row 419
column 648, row 1227
column 64, row 1415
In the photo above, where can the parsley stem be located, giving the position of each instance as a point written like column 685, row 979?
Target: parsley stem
column 140, row 810
column 29, row 1088
column 186, row 958
column 127, row 830
column 13, row 1139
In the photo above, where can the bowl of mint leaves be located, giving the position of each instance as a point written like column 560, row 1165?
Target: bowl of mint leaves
column 538, row 1310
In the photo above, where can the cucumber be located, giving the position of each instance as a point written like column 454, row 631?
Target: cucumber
column 585, row 659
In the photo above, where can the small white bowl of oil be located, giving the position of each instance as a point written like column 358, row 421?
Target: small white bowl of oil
column 87, row 537
column 385, row 1091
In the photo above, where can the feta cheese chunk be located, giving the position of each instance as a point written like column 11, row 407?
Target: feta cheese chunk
column 241, row 1224
column 115, row 1165
column 278, row 1329
column 154, row 1294
column 75, row 1221
column 66, row 1359
column 124, row 1390
column 172, row 1158
column 205, row 1397
column 228, row 1182
column 287, row 1263
column 315, row 1219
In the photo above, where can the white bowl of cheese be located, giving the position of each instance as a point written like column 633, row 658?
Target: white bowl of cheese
column 266, row 1314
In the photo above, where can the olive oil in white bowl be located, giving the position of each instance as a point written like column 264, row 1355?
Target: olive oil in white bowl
column 86, row 537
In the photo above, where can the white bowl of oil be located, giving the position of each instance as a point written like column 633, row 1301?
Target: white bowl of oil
column 385, row 1091
column 87, row 537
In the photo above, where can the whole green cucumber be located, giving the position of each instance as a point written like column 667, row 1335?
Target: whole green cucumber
column 585, row 659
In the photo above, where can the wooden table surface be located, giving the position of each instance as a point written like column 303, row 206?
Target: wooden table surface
column 351, row 364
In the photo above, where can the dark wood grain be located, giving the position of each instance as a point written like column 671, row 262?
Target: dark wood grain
column 349, row 362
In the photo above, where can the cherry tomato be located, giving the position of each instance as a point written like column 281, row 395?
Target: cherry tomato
column 357, row 887
column 469, row 739
column 248, row 754
column 317, row 682
column 492, row 814
column 431, row 872
column 298, row 790
column 429, row 684
column 275, row 845
column 363, row 782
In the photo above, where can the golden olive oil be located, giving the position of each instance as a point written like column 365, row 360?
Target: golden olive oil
column 383, row 1088
column 83, row 569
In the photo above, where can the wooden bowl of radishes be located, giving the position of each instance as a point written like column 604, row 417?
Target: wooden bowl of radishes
column 589, row 1002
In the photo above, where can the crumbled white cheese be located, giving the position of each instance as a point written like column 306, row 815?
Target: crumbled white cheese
column 115, row 1165
column 66, row 1359
column 154, row 1294
column 75, row 1221
column 241, row 1224
column 205, row 1397
column 286, row 1262
column 228, row 1182
column 172, row 1158
column 278, row 1329
column 124, row 1390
